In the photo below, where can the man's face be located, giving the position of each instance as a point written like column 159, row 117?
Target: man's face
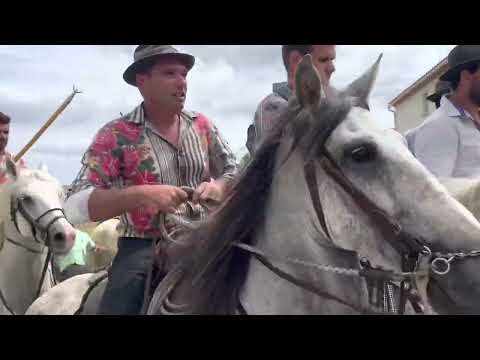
column 323, row 57
column 165, row 85
column 4, row 131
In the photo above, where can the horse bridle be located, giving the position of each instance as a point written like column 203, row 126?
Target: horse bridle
column 412, row 250
column 417, row 257
column 16, row 206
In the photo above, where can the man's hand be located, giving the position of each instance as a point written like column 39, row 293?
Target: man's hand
column 209, row 193
column 105, row 204
column 161, row 198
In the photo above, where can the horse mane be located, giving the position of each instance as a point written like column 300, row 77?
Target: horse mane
column 26, row 176
column 214, row 271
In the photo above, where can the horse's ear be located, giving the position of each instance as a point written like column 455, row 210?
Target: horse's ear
column 361, row 88
column 12, row 169
column 308, row 85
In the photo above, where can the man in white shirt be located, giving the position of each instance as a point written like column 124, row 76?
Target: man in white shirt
column 448, row 142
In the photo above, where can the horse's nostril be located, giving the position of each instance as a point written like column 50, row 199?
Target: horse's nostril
column 59, row 237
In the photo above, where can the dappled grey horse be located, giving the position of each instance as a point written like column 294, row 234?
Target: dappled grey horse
column 333, row 215
column 330, row 209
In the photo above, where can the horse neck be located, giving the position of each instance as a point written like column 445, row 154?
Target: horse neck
column 20, row 273
column 20, row 270
column 291, row 229
column 4, row 202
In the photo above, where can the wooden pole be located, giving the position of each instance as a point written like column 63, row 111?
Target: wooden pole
column 46, row 125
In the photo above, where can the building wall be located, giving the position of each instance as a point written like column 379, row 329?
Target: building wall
column 413, row 110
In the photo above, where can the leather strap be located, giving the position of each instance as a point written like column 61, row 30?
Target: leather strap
column 312, row 184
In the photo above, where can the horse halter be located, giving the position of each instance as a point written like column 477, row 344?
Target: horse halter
column 412, row 250
column 16, row 206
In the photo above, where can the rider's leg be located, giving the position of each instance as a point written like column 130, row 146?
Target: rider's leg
column 124, row 292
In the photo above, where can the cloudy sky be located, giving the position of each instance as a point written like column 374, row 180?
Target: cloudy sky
column 226, row 85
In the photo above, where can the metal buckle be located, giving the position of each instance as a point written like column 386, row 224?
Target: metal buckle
column 440, row 262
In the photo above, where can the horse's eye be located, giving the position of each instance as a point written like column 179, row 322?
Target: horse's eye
column 363, row 153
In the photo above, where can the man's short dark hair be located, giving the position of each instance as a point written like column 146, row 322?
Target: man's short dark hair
column 288, row 49
column 4, row 119
column 470, row 67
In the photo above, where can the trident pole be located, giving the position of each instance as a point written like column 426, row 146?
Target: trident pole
column 47, row 124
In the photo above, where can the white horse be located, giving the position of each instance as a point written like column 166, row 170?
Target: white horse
column 320, row 222
column 31, row 222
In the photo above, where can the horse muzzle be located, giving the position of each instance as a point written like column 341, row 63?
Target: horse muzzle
column 61, row 238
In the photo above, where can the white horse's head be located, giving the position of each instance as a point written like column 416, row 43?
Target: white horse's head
column 377, row 163
column 33, row 210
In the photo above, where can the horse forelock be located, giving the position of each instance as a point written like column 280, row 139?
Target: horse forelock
column 34, row 180
column 224, row 268
column 313, row 129
column 44, row 177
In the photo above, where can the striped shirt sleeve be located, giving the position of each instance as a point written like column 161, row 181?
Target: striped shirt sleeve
column 221, row 158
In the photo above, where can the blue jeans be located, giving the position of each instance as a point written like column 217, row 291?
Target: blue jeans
column 124, row 293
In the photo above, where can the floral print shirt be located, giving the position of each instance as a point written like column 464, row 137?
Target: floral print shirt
column 129, row 151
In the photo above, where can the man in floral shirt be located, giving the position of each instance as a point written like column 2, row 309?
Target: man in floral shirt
column 4, row 154
column 137, row 164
